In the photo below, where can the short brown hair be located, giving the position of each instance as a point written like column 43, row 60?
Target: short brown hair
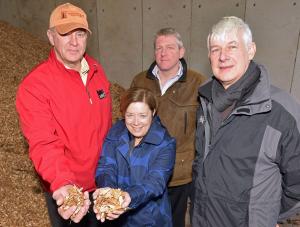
column 169, row 32
column 136, row 94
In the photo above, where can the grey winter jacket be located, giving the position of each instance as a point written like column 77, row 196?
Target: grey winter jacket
column 248, row 174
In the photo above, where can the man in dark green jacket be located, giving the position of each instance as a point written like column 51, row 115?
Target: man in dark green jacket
column 176, row 89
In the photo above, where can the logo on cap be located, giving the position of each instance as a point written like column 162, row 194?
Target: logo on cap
column 67, row 17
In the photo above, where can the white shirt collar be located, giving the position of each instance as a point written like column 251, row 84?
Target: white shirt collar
column 169, row 82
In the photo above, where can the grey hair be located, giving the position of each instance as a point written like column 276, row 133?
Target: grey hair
column 227, row 25
column 167, row 32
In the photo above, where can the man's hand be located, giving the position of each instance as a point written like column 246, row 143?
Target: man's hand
column 60, row 194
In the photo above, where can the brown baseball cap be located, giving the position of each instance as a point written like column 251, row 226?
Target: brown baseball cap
column 67, row 17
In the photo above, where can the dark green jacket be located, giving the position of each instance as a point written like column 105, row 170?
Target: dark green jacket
column 177, row 111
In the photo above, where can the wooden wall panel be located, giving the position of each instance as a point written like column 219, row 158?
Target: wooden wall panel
column 205, row 13
column 158, row 14
column 9, row 12
column 296, row 77
column 120, row 38
column 275, row 26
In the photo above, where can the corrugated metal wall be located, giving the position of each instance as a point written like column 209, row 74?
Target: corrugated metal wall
column 123, row 31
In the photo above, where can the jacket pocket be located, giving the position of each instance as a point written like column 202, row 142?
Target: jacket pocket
column 222, row 212
column 179, row 118
column 185, row 121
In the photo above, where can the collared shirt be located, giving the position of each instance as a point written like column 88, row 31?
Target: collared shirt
column 170, row 82
column 83, row 71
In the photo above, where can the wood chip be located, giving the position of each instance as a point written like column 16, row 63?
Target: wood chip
column 108, row 200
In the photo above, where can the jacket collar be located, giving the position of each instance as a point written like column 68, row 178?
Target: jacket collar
column 181, row 79
column 91, row 63
column 259, row 101
column 156, row 132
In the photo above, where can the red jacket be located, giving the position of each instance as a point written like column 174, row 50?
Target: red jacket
column 64, row 122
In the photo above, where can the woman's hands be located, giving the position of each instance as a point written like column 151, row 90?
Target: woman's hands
column 114, row 214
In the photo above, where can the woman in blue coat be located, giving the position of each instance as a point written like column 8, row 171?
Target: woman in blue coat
column 138, row 157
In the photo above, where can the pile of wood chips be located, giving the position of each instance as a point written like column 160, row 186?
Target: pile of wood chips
column 21, row 197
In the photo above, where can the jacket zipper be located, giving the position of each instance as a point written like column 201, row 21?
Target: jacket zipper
column 88, row 93
column 87, row 90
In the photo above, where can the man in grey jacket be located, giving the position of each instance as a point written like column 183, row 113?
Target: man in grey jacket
column 246, row 171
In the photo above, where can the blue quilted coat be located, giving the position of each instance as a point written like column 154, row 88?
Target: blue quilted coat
column 142, row 171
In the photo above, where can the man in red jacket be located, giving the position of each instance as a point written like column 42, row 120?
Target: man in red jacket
column 64, row 105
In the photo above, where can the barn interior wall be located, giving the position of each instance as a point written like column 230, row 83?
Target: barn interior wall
column 123, row 31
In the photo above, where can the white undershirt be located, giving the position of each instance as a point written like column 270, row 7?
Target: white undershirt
column 84, row 70
column 169, row 82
